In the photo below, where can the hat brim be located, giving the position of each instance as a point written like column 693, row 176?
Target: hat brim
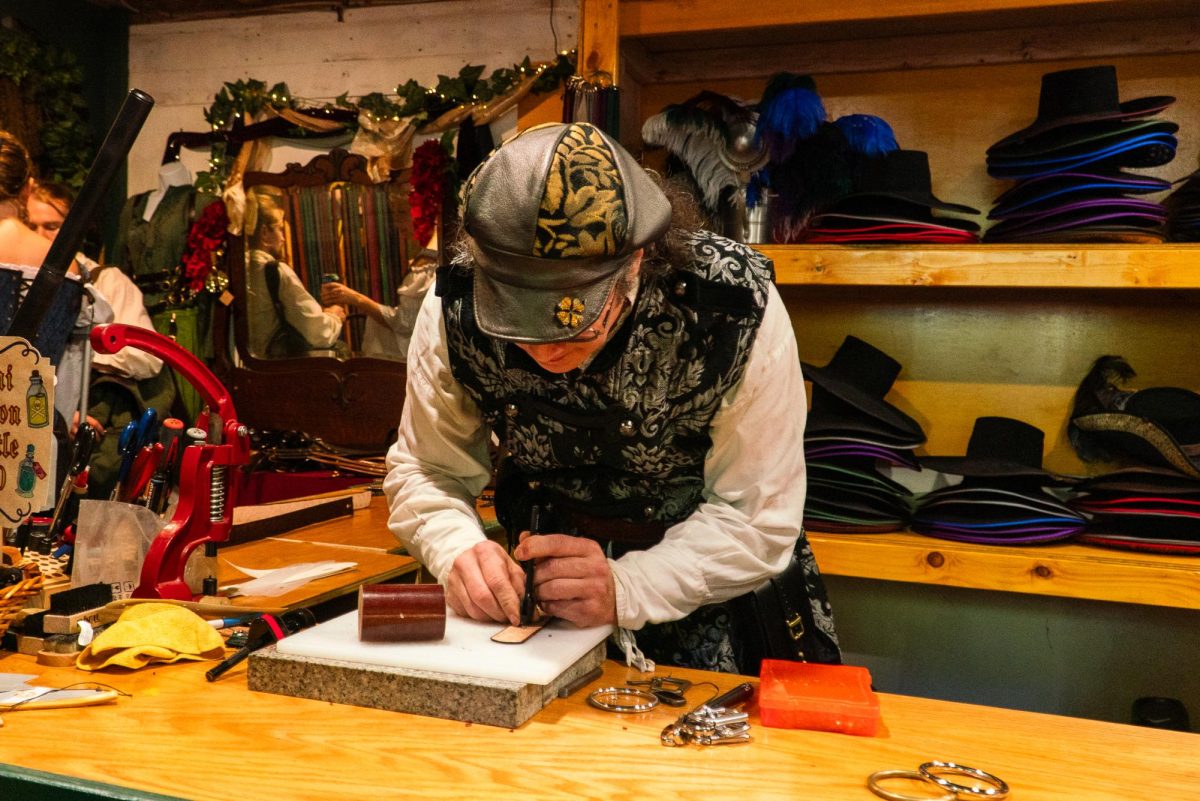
column 1072, row 137
column 1130, row 109
column 846, row 203
column 532, row 312
column 1139, row 437
column 825, row 416
column 1038, row 193
column 985, row 468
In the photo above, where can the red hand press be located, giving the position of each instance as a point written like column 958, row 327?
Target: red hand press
column 207, row 490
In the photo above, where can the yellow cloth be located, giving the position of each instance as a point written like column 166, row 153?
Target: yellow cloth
column 149, row 633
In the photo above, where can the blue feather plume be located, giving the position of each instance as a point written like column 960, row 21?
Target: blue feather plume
column 867, row 134
column 790, row 111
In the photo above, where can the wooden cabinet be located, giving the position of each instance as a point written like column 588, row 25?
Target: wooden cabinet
column 980, row 330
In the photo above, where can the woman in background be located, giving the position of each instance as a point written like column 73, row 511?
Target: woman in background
column 18, row 244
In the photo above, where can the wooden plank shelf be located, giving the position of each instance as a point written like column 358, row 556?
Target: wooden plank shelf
column 1065, row 570
column 647, row 18
column 1173, row 266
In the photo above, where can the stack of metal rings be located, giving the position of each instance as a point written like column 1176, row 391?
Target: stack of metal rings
column 934, row 772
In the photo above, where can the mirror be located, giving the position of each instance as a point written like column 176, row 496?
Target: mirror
column 306, row 227
column 328, row 371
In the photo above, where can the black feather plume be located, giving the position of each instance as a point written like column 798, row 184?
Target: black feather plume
column 1100, row 391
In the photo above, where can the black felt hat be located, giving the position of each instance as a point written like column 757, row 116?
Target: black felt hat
column 1000, row 447
column 848, row 393
column 1082, row 96
column 902, row 175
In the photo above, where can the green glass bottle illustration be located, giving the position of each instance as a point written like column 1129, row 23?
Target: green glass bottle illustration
column 37, row 404
column 26, row 476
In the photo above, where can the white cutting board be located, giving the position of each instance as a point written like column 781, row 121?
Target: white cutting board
column 466, row 650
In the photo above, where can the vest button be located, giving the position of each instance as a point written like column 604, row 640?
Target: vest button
column 511, row 409
column 680, row 288
column 533, row 485
column 627, row 428
column 648, row 512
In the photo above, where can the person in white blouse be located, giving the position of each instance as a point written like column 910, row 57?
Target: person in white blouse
column 288, row 306
column 643, row 382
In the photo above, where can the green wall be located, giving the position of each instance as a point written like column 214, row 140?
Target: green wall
column 1063, row 656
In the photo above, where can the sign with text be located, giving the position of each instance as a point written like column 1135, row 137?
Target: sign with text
column 26, row 430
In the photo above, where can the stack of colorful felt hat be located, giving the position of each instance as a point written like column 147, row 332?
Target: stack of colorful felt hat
column 851, row 432
column 1071, row 164
column 1003, row 497
column 1141, row 509
column 892, row 202
column 1153, row 502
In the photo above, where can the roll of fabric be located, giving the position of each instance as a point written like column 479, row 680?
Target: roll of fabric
column 401, row 612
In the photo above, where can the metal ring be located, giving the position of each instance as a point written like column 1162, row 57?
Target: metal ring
column 622, row 699
column 881, row 775
column 997, row 791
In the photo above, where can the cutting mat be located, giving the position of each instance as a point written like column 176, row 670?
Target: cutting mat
column 466, row 650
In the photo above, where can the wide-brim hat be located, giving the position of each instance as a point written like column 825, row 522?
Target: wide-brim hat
column 1082, row 138
column 998, row 447
column 889, row 212
column 1123, row 220
column 1151, row 150
column 1090, row 234
column 555, row 216
column 1141, row 481
column 1156, row 426
column 858, row 376
column 900, row 175
column 1059, row 188
column 1089, row 208
column 1080, row 96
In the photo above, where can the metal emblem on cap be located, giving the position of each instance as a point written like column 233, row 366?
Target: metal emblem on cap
column 570, row 312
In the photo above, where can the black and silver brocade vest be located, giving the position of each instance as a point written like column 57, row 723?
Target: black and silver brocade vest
column 626, row 436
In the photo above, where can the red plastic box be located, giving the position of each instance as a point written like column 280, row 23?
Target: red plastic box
column 799, row 695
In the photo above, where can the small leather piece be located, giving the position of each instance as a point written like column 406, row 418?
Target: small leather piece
column 401, row 612
column 515, row 635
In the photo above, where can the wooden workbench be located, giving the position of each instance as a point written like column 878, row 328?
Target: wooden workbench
column 362, row 538
column 181, row 736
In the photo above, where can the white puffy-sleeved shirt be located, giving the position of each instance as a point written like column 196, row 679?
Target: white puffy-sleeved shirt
column 128, row 307
column 742, row 533
column 318, row 327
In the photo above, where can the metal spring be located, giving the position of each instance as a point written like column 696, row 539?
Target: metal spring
column 218, row 487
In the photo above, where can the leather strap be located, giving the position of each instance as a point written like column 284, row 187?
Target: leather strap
column 611, row 529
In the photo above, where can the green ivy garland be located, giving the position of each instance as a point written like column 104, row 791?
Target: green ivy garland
column 51, row 79
column 410, row 100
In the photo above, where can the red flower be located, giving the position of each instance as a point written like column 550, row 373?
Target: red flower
column 204, row 239
column 431, row 172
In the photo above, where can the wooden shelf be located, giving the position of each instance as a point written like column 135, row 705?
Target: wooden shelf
column 1175, row 266
column 1063, row 570
column 657, row 18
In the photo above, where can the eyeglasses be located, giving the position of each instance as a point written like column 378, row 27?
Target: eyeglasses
column 600, row 327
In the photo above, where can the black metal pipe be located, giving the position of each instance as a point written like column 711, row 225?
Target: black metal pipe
column 62, row 252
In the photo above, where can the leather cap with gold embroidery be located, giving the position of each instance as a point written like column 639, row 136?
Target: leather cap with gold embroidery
column 555, row 215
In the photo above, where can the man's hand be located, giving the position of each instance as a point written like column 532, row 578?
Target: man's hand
column 572, row 577
column 485, row 584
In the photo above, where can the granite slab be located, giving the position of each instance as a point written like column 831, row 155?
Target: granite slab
column 494, row 702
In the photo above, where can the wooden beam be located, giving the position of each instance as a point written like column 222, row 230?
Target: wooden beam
column 598, row 38
column 656, row 17
column 1014, row 45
